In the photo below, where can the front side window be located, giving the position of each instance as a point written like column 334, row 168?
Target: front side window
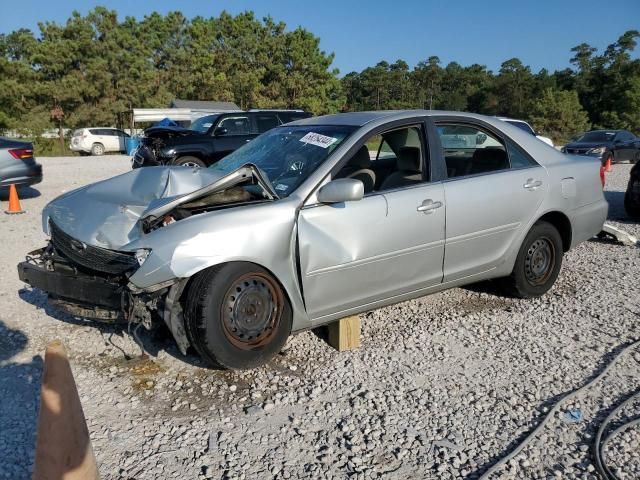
column 287, row 155
column 468, row 150
column 203, row 124
column 237, row 125
column 390, row 160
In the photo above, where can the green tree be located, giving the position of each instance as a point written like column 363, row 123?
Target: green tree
column 559, row 115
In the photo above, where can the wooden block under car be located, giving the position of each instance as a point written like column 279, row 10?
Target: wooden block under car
column 345, row 333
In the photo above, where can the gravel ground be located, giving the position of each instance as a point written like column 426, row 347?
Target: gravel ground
column 442, row 386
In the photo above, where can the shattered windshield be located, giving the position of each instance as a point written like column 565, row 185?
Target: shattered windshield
column 287, row 155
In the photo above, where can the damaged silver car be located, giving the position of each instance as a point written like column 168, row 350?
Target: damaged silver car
column 313, row 221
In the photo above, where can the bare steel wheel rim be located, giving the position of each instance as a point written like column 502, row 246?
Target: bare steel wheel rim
column 539, row 261
column 190, row 164
column 251, row 311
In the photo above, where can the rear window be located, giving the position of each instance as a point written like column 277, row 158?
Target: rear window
column 522, row 126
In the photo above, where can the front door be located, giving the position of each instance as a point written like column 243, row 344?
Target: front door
column 389, row 243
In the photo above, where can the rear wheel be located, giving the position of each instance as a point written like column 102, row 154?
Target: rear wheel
column 537, row 264
column 237, row 315
column 97, row 149
column 190, row 162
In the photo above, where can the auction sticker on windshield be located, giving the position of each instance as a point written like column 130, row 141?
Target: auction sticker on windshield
column 318, row 140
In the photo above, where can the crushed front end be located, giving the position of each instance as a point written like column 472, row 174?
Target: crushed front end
column 89, row 281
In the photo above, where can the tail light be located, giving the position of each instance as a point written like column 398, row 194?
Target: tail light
column 21, row 153
column 603, row 169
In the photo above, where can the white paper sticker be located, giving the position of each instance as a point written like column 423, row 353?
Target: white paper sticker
column 281, row 187
column 318, row 140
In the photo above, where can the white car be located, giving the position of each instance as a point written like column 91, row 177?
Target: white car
column 521, row 124
column 99, row 140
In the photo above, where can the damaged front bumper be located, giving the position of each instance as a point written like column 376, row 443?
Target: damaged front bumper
column 107, row 298
column 73, row 291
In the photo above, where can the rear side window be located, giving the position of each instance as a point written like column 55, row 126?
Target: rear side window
column 517, row 157
column 96, row 131
column 266, row 122
column 468, row 150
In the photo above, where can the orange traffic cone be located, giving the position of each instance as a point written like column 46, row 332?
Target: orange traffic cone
column 14, row 201
column 607, row 164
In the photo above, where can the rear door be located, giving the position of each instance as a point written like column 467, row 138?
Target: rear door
column 492, row 192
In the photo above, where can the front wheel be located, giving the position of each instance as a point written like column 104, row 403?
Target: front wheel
column 193, row 162
column 537, row 264
column 237, row 315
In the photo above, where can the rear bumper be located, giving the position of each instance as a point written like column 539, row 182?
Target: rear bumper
column 28, row 175
column 587, row 221
column 72, row 286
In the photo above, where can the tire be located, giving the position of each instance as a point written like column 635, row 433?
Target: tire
column 218, row 324
column 632, row 208
column 97, row 149
column 194, row 162
column 537, row 264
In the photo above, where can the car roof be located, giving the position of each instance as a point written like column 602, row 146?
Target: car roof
column 359, row 119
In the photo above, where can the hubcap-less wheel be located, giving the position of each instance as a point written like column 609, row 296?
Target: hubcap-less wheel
column 251, row 310
column 539, row 261
column 190, row 164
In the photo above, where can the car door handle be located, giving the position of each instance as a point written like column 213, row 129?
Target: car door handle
column 532, row 184
column 428, row 206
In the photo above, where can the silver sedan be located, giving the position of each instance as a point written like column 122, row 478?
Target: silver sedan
column 316, row 220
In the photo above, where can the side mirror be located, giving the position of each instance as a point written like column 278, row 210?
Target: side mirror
column 220, row 131
column 480, row 138
column 341, row 190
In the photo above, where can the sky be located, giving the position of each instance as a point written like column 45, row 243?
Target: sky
column 361, row 33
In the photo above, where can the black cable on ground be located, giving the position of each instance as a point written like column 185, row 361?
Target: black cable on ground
column 533, row 433
column 600, row 444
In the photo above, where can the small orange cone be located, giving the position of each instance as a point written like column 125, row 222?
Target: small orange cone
column 14, row 201
column 607, row 164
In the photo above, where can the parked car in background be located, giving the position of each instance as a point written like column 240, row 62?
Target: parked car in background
column 17, row 165
column 615, row 145
column 99, row 140
column 209, row 138
column 314, row 221
column 522, row 125
column 632, row 195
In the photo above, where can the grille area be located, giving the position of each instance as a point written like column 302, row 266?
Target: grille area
column 93, row 258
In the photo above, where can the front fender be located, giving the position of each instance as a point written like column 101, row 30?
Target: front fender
column 263, row 234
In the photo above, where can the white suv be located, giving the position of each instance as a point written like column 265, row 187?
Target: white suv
column 522, row 125
column 98, row 141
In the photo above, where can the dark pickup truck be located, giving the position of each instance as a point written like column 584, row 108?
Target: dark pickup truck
column 208, row 139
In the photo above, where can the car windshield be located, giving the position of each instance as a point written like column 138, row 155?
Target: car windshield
column 596, row 137
column 203, row 124
column 287, row 155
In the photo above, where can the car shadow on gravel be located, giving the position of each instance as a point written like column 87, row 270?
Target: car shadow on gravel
column 19, row 400
column 153, row 342
column 23, row 193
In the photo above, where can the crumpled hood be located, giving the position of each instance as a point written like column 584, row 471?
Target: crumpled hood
column 106, row 214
